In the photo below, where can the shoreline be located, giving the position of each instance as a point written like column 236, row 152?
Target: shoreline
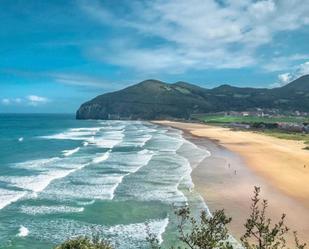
column 226, row 181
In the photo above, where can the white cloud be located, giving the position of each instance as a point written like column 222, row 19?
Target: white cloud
column 69, row 78
column 303, row 69
column 11, row 101
column 18, row 100
column 6, row 101
column 83, row 80
column 197, row 34
column 285, row 78
column 298, row 71
column 279, row 63
column 32, row 100
column 35, row 100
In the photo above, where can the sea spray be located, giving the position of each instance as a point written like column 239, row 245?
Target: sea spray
column 23, row 231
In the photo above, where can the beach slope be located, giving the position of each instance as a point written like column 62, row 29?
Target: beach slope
column 241, row 160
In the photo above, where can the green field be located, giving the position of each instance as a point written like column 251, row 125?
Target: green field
column 250, row 119
column 288, row 135
column 222, row 120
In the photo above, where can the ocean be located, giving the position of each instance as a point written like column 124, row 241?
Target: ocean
column 61, row 178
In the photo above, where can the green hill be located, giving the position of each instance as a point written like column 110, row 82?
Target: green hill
column 153, row 99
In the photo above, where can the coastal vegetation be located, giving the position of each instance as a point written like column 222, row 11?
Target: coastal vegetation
column 289, row 136
column 209, row 232
column 251, row 119
column 85, row 243
column 283, row 127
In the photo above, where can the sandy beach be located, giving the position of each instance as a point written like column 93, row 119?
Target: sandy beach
column 241, row 160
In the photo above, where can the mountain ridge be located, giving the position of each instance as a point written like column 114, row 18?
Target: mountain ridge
column 154, row 99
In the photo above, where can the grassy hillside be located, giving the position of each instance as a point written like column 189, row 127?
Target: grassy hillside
column 153, row 99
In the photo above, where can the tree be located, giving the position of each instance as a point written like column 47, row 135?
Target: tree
column 260, row 233
column 207, row 232
column 85, row 243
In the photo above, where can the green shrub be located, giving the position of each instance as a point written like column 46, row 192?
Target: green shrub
column 85, row 243
column 260, row 233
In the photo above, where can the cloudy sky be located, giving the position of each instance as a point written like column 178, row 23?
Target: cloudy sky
column 56, row 54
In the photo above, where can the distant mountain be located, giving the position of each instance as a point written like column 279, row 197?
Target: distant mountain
column 153, row 99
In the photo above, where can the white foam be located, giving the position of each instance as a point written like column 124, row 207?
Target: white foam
column 96, row 182
column 128, row 236
column 130, row 162
column 48, row 169
column 39, row 210
column 20, row 139
column 117, row 181
column 100, row 187
column 161, row 229
column 85, row 203
column 113, row 125
column 106, row 143
column 101, row 158
column 109, row 139
column 86, row 129
column 88, row 183
column 74, row 134
column 37, row 164
column 138, row 140
column 23, row 231
column 194, row 153
column 70, row 152
column 9, row 196
column 35, row 183
column 161, row 180
column 163, row 142
column 81, row 135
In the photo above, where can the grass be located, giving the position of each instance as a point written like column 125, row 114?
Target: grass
column 287, row 135
column 221, row 120
column 250, row 119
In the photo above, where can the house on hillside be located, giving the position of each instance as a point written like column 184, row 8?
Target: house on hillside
column 245, row 114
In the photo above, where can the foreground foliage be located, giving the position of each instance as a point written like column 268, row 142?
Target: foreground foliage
column 85, row 243
column 207, row 233
column 210, row 232
column 260, row 233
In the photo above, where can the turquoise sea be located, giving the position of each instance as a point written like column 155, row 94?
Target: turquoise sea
column 61, row 177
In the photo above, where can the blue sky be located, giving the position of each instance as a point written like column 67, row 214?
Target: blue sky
column 57, row 54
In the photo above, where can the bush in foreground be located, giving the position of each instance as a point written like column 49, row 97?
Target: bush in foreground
column 85, row 243
column 210, row 232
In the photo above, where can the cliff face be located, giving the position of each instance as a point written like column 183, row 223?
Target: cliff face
column 152, row 99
